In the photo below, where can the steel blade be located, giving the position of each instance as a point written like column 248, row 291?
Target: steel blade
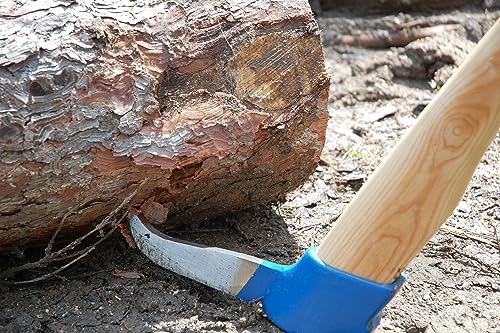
column 221, row 269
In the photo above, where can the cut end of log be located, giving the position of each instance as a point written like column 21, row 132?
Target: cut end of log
column 222, row 109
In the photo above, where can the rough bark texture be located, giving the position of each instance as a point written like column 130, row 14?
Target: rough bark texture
column 222, row 104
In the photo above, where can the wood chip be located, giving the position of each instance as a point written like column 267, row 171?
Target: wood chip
column 127, row 275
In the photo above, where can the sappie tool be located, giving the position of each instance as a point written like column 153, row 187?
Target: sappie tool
column 344, row 284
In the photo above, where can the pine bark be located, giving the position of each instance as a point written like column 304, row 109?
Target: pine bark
column 222, row 105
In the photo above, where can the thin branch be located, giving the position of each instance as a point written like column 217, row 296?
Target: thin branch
column 104, row 222
column 75, row 254
column 48, row 249
column 50, row 256
column 469, row 235
column 84, row 254
column 496, row 234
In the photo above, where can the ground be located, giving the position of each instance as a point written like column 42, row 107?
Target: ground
column 454, row 283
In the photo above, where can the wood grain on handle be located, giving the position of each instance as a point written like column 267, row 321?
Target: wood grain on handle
column 412, row 193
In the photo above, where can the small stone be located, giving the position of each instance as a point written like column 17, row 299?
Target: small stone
column 320, row 186
column 354, row 177
column 407, row 121
column 381, row 113
column 332, row 194
column 463, row 207
column 327, row 177
column 346, row 167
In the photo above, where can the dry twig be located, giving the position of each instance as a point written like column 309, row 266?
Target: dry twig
column 469, row 235
column 496, row 234
column 62, row 254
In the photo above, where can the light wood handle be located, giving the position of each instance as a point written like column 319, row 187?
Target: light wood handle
column 414, row 190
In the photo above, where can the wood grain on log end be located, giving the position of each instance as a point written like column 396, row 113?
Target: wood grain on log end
column 222, row 107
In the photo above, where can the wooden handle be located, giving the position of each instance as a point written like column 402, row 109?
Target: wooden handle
column 416, row 187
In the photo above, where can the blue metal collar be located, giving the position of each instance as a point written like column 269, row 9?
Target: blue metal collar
column 312, row 297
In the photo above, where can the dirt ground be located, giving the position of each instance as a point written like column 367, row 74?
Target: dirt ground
column 453, row 285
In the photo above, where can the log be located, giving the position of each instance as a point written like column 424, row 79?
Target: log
column 221, row 105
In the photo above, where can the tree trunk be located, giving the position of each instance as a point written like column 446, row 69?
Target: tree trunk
column 221, row 104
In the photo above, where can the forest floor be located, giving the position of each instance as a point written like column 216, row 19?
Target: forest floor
column 376, row 94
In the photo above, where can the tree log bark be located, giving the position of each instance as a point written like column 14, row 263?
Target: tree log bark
column 221, row 104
